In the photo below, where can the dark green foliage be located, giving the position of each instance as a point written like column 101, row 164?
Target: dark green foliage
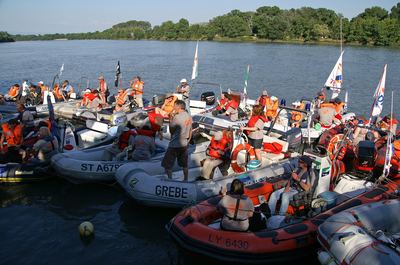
column 5, row 37
column 374, row 26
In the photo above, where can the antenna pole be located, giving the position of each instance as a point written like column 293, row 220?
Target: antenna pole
column 341, row 34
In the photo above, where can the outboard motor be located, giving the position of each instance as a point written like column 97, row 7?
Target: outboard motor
column 294, row 139
column 365, row 156
column 283, row 102
column 208, row 97
column 158, row 100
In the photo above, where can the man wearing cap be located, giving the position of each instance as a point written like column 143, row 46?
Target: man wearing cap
column 180, row 126
column 183, row 88
column 137, row 86
column 216, row 151
column 302, row 179
column 67, row 89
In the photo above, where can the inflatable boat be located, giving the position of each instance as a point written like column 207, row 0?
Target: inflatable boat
column 160, row 191
column 97, row 164
column 362, row 235
column 13, row 173
column 283, row 239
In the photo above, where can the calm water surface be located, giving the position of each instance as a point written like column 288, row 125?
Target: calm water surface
column 38, row 222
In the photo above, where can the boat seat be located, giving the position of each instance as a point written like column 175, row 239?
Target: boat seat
column 274, row 158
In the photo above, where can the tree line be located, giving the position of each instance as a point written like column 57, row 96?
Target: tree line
column 374, row 26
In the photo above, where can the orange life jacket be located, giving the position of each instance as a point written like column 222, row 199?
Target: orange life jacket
column 216, row 147
column 152, row 118
column 233, row 104
column 263, row 100
column 327, row 105
column 137, row 87
column 272, row 108
column 13, row 92
column 121, row 98
column 13, row 137
column 222, row 103
column 339, row 107
column 253, row 120
column 296, row 116
column 102, row 86
column 57, row 92
column 169, row 106
column 123, row 140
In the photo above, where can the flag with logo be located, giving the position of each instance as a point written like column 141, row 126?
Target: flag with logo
column 335, row 79
column 117, row 74
column 379, row 95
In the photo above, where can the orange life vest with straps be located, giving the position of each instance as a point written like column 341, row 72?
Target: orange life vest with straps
column 123, row 140
column 233, row 104
column 137, row 87
column 13, row 92
column 57, row 93
column 253, row 120
column 121, row 98
column 216, row 149
column 13, row 137
column 263, row 100
column 222, row 103
column 272, row 108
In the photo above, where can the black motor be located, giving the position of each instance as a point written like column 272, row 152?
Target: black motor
column 366, row 154
column 208, row 97
column 294, row 139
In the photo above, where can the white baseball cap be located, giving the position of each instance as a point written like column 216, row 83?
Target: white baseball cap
column 296, row 103
column 183, row 80
column 273, row 98
column 40, row 82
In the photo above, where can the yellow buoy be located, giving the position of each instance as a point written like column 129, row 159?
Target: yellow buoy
column 86, row 229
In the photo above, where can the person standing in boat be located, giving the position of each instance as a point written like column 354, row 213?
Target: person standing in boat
column 137, row 86
column 184, row 89
column 255, row 130
column 271, row 108
column 218, row 149
column 301, row 180
column 180, row 126
column 236, row 208
column 103, row 89
column 263, row 99
column 67, row 89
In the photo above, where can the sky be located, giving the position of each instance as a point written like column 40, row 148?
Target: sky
column 56, row 16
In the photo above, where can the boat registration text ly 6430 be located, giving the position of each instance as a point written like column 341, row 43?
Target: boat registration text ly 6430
column 228, row 242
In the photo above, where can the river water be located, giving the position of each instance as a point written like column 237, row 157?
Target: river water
column 39, row 222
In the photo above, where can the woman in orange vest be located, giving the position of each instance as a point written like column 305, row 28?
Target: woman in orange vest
column 296, row 116
column 263, row 99
column 215, row 154
column 168, row 105
column 103, row 89
column 255, row 130
column 57, row 93
column 271, row 107
column 121, row 99
column 13, row 92
column 137, row 86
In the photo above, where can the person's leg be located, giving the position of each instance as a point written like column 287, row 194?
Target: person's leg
column 206, row 169
column 273, row 200
column 168, row 161
column 258, row 154
column 182, row 157
column 286, row 197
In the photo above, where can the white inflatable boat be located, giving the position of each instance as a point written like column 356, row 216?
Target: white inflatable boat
column 362, row 235
column 158, row 190
column 97, row 164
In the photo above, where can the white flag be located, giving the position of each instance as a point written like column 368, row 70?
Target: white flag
column 195, row 62
column 335, row 79
column 379, row 95
column 61, row 70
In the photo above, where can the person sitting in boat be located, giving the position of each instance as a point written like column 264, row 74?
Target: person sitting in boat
column 321, row 97
column 13, row 93
column 271, row 108
column 232, row 108
column 144, row 144
column 35, row 95
column 388, row 124
column 44, row 148
column 339, row 108
column 255, row 130
column 58, row 95
column 236, row 208
column 221, row 107
column 97, row 103
column 126, row 139
column 12, row 134
column 43, row 88
column 327, row 115
column 301, row 180
column 296, row 117
column 263, row 99
column 180, row 126
column 103, row 89
column 137, row 86
column 67, row 89
column 168, row 105
column 121, row 99
column 86, row 98
column 217, row 150
column 26, row 118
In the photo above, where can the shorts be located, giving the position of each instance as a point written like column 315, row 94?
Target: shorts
column 172, row 153
column 255, row 143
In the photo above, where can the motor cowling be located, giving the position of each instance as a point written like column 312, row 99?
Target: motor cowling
column 208, row 97
column 365, row 156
